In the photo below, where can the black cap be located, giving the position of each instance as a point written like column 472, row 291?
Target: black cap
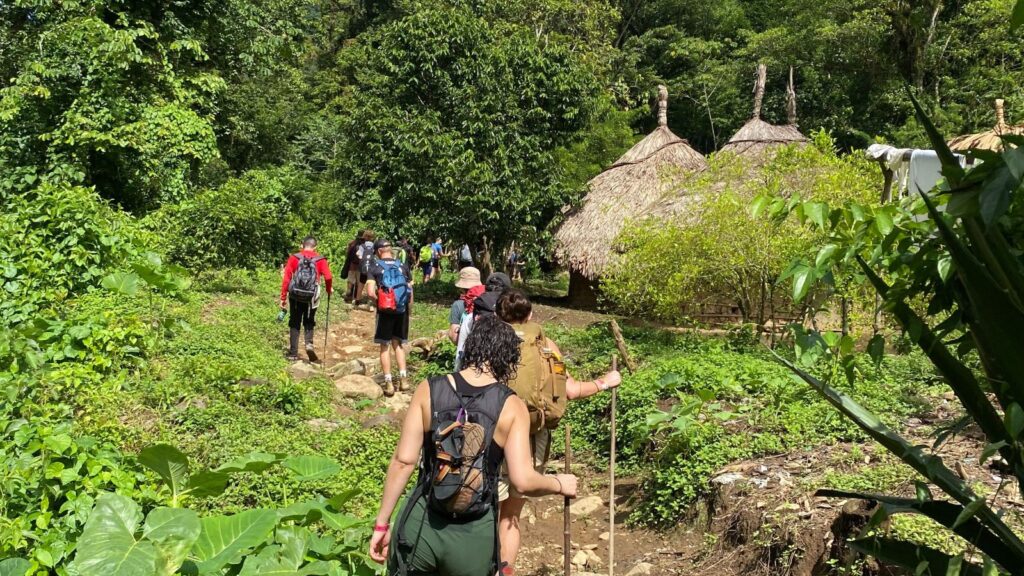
column 498, row 281
column 381, row 243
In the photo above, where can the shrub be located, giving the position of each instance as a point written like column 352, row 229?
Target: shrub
column 247, row 222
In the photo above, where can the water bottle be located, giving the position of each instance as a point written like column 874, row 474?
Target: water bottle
column 280, row 316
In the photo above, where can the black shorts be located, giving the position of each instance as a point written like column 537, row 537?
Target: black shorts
column 391, row 327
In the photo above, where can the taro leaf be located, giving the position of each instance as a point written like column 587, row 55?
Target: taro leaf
column 107, row 546
column 312, row 467
column 14, row 567
column 121, row 282
column 339, row 501
column 255, row 462
column 224, row 539
column 207, row 483
column 173, row 531
column 914, row 557
column 169, row 463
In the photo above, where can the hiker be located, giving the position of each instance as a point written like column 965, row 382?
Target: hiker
column 426, row 261
column 351, row 267
column 543, row 384
column 448, row 524
column 300, row 294
column 403, row 252
column 364, row 259
column 485, row 303
column 465, row 256
column 390, row 286
column 437, row 252
column 470, row 288
column 515, row 265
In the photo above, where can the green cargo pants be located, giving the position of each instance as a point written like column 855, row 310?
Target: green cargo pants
column 439, row 546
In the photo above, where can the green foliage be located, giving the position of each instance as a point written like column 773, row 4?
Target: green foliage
column 976, row 297
column 102, row 95
column 723, row 253
column 697, row 404
column 454, row 119
column 259, row 541
column 247, row 222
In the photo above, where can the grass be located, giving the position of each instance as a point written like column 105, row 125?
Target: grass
column 220, row 390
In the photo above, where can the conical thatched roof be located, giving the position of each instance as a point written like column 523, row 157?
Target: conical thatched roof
column 989, row 139
column 757, row 137
column 643, row 175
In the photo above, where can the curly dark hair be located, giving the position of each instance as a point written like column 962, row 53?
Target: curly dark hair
column 492, row 345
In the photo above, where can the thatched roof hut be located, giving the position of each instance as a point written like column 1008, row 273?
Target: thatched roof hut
column 989, row 139
column 757, row 137
column 643, row 175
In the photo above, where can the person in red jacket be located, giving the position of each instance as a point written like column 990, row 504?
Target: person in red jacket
column 302, row 301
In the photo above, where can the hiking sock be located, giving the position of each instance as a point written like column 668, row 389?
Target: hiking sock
column 293, row 341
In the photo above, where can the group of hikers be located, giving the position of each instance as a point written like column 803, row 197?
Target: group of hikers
column 480, row 435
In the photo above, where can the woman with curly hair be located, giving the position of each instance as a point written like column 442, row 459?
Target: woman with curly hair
column 438, row 533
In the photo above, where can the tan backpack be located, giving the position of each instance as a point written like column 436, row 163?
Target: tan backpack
column 540, row 378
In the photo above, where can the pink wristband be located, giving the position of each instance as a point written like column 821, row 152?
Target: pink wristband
column 381, row 528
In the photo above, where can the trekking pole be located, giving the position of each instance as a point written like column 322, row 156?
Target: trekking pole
column 611, row 489
column 565, row 507
column 327, row 330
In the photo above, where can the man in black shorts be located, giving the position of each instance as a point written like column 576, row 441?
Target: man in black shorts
column 392, row 329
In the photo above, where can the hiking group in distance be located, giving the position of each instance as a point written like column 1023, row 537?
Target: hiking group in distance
column 480, row 435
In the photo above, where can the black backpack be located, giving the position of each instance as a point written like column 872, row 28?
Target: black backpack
column 460, row 468
column 368, row 257
column 304, row 285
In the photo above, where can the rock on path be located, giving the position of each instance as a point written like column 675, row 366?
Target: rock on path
column 358, row 386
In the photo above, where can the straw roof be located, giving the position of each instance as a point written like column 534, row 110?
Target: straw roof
column 643, row 175
column 989, row 139
column 757, row 137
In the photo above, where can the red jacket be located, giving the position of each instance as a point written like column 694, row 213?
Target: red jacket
column 322, row 271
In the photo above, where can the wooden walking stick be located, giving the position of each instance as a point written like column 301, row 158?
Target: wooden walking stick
column 611, row 484
column 565, row 507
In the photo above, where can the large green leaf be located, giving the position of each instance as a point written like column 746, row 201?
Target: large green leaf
column 207, row 483
column 920, row 560
column 122, row 283
column 174, row 531
column 107, row 546
column 170, row 464
column 254, row 462
column 14, row 567
column 224, row 539
column 312, row 467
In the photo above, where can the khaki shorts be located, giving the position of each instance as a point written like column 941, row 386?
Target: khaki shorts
column 540, row 445
column 353, row 276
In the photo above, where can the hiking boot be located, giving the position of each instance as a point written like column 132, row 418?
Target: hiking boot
column 403, row 384
column 291, row 357
column 311, row 353
column 389, row 388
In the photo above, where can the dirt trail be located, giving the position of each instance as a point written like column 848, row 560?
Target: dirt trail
column 759, row 516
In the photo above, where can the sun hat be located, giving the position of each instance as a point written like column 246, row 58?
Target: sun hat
column 469, row 277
